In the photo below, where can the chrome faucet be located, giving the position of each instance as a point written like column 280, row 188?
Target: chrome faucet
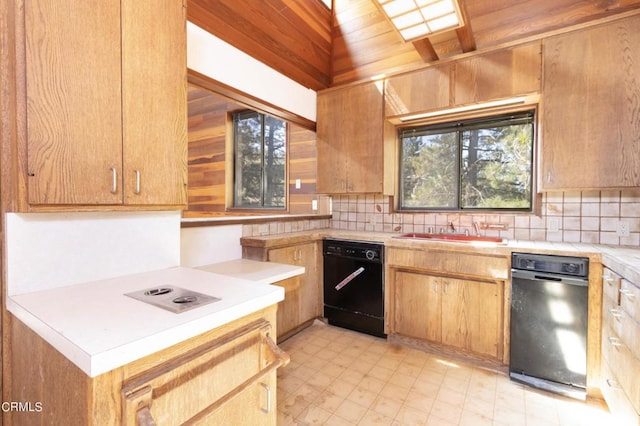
column 476, row 228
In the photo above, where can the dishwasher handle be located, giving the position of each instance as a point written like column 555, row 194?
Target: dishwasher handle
column 541, row 276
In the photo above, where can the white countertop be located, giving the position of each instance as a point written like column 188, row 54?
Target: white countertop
column 253, row 270
column 98, row 328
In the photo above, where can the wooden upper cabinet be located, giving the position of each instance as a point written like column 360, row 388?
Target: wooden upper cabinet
column 501, row 74
column 105, row 102
column 351, row 140
column 154, row 92
column 481, row 78
column 74, row 111
column 423, row 90
column 590, row 118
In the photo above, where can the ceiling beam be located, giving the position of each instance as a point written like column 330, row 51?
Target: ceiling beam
column 464, row 33
column 426, row 50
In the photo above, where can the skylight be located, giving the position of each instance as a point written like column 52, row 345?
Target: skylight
column 415, row 19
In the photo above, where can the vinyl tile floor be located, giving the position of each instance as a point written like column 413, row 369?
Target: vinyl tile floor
column 340, row 377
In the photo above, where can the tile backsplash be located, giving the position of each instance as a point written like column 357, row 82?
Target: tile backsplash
column 283, row 227
column 587, row 217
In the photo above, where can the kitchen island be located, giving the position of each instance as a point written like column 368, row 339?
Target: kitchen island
column 89, row 354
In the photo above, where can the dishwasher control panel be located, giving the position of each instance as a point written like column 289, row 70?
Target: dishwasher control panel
column 552, row 264
column 362, row 250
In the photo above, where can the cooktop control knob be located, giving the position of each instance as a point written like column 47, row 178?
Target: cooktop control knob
column 370, row 254
column 570, row 267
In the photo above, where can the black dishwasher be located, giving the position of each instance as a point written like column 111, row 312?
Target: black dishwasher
column 549, row 299
column 354, row 285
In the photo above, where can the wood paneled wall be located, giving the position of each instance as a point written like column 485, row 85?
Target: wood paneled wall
column 209, row 130
column 206, row 152
column 303, row 166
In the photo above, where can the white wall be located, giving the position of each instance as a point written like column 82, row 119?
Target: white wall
column 222, row 62
column 210, row 244
column 49, row 250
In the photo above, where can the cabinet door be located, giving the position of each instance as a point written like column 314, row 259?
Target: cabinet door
column 418, row 91
column 350, row 140
column 590, row 121
column 74, row 114
column 221, row 379
column 288, row 316
column 472, row 312
column 255, row 406
column 417, row 306
column 302, row 300
column 311, row 294
column 154, row 95
column 332, row 160
column 502, row 74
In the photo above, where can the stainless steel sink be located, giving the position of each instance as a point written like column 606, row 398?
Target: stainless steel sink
column 172, row 298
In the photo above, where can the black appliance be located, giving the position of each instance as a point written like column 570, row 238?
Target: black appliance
column 549, row 299
column 354, row 285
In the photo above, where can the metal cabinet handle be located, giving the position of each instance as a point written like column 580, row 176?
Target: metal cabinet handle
column 614, row 341
column 630, row 294
column 615, row 313
column 268, row 389
column 114, row 180
column 613, row 384
column 137, row 189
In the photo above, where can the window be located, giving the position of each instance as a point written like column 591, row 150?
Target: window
column 483, row 164
column 260, row 161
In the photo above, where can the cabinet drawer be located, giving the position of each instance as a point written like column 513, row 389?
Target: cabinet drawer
column 611, row 316
column 611, row 284
column 199, row 383
column 630, row 299
column 616, row 353
column 629, row 332
column 450, row 262
column 617, row 400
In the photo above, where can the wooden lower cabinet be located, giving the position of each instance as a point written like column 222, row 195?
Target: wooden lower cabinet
column 303, row 294
column 225, row 376
column 462, row 314
column 621, row 347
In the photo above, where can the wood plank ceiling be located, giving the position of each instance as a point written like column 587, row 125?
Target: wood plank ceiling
column 320, row 48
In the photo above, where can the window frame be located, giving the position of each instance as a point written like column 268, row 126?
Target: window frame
column 460, row 124
column 236, row 173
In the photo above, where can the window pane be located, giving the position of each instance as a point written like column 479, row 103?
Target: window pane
column 260, row 161
column 249, row 160
column 275, row 141
column 496, row 167
column 429, row 170
column 480, row 163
